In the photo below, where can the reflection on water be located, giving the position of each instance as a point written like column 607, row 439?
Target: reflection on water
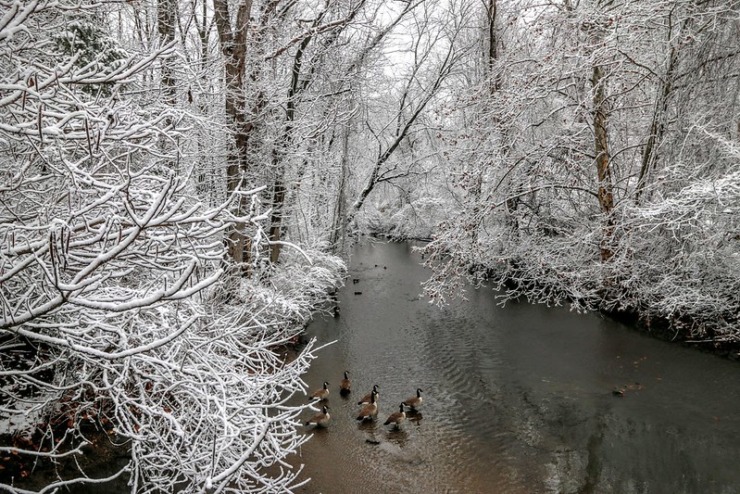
column 516, row 400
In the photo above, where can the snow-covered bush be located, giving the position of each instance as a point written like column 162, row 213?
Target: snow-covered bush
column 121, row 319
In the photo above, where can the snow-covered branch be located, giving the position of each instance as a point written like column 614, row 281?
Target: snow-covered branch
column 121, row 319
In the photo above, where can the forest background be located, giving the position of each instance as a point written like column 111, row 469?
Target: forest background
column 182, row 181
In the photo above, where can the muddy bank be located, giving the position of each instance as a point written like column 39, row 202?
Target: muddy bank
column 686, row 330
column 678, row 331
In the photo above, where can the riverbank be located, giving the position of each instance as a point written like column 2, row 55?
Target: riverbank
column 716, row 337
column 671, row 330
column 156, row 410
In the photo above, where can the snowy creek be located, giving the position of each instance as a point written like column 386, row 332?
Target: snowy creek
column 517, row 399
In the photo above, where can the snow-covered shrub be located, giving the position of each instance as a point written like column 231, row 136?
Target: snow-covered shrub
column 121, row 320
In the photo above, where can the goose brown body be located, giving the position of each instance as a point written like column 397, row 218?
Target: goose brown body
column 396, row 418
column 369, row 411
column 415, row 401
column 345, row 386
column 366, row 399
column 320, row 394
column 321, row 419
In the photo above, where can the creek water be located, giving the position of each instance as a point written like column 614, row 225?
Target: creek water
column 517, row 399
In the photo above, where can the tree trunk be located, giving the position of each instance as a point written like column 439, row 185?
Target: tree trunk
column 166, row 18
column 491, row 15
column 338, row 230
column 475, row 182
column 298, row 84
column 603, row 161
column 234, row 48
column 283, row 145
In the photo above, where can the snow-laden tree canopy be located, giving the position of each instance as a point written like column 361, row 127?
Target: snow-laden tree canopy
column 122, row 319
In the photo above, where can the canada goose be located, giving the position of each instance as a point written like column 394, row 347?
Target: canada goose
column 396, row 417
column 366, row 399
column 320, row 419
column 415, row 401
column 369, row 411
column 345, row 386
column 320, row 394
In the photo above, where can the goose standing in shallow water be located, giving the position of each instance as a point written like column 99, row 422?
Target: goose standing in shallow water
column 415, row 401
column 345, row 386
column 369, row 411
column 366, row 399
column 320, row 394
column 320, row 419
column 396, row 417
